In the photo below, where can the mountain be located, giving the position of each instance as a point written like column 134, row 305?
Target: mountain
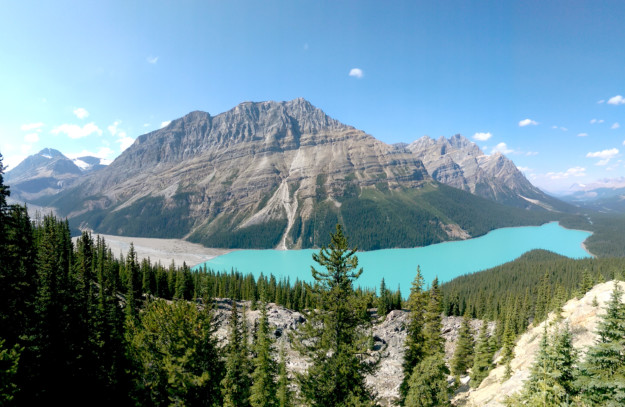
column 47, row 173
column 460, row 163
column 606, row 195
column 276, row 174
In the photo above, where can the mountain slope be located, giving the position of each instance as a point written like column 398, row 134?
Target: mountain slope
column 47, row 173
column 460, row 163
column 274, row 174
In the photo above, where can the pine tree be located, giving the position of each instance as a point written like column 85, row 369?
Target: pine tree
column 428, row 383
column 463, row 355
column 602, row 375
column 334, row 336
column 413, row 344
column 383, row 305
column 235, row 384
column 263, row 392
column 551, row 375
column 175, row 354
column 284, row 394
column 482, row 360
column 9, row 362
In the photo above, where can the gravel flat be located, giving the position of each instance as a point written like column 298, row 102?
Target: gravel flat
column 163, row 250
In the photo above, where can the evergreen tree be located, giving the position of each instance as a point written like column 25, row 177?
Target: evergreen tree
column 602, row 375
column 235, row 386
column 432, row 325
column 413, row 344
column 9, row 362
column 263, row 392
column 175, row 355
column 334, row 336
column 383, row 303
column 428, row 383
column 463, row 355
column 284, row 394
column 482, row 360
column 551, row 375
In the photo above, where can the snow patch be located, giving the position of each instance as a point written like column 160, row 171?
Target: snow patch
column 81, row 164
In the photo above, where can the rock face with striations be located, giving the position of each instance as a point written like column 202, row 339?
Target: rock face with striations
column 272, row 174
column 460, row 163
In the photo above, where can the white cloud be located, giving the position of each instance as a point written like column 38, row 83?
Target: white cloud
column 501, row 148
column 616, row 100
column 600, row 101
column 527, row 122
column 356, row 73
column 113, row 128
column 564, row 129
column 524, row 169
column 615, row 126
column 31, row 138
column 74, row 131
column 124, row 141
column 31, row 126
column 582, row 135
column 531, row 153
column 152, row 60
column 482, row 136
column 165, row 124
column 611, row 153
column 571, row 172
column 81, row 113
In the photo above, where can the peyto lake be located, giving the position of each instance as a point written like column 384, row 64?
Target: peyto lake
column 398, row 266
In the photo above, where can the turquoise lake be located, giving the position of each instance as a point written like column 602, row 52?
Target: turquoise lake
column 398, row 266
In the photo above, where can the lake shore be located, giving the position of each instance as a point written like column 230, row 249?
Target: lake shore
column 163, row 250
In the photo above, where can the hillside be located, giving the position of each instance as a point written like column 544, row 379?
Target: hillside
column 276, row 174
column 581, row 316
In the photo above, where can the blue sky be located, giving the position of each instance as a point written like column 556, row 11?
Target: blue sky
column 541, row 81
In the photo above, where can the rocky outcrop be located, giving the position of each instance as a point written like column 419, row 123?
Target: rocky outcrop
column 581, row 316
column 389, row 336
column 460, row 163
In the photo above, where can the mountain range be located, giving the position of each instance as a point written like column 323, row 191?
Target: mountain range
column 282, row 174
column 48, row 172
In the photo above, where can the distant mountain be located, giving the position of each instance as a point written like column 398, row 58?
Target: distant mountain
column 460, row 163
column 606, row 195
column 276, row 174
column 47, row 173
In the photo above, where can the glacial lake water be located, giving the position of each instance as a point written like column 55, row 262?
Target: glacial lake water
column 398, row 266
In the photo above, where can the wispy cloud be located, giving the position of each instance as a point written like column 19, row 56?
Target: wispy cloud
column 531, row 153
column 356, row 73
column 165, row 124
column 524, row 169
column 124, row 141
column 482, row 136
column 501, row 148
column 571, row 172
column 604, row 155
column 593, row 121
column 582, row 135
column 75, row 132
column 615, row 126
column 31, row 126
column 616, row 100
column 81, row 113
column 113, row 127
column 527, row 122
column 152, row 60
